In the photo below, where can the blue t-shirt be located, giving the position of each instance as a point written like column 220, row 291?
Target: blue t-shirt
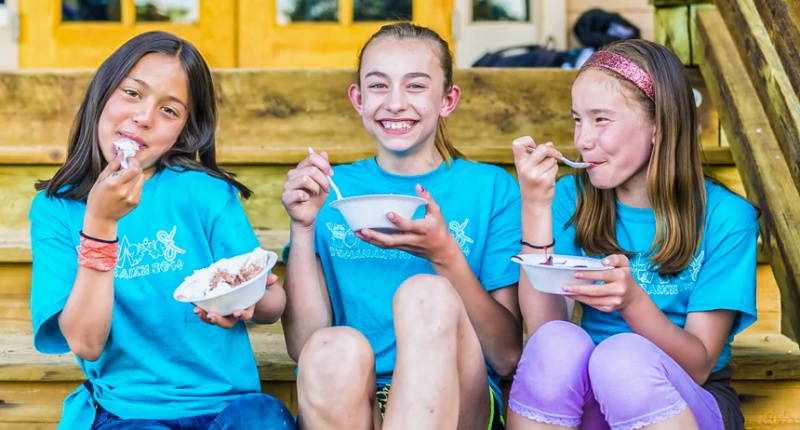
column 160, row 360
column 481, row 205
column 722, row 274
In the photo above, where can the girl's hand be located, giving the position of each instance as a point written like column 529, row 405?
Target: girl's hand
column 227, row 321
column 306, row 189
column 537, row 166
column 427, row 238
column 618, row 292
column 116, row 192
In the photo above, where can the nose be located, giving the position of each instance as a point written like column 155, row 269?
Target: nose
column 585, row 137
column 143, row 116
column 397, row 100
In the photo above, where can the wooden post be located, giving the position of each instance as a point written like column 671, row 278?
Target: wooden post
column 757, row 154
column 766, row 70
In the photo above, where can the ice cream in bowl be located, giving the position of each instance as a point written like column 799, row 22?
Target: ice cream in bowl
column 369, row 211
column 550, row 272
column 229, row 284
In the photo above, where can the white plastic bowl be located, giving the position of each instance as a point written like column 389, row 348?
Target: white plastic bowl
column 551, row 279
column 225, row 299
column 370, row 211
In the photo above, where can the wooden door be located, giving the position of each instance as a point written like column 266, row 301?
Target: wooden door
column 82, row 33
column 325, row 33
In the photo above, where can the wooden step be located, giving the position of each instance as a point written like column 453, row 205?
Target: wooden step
column 272, row 116
column 15, row 273
column 33, row 385
column 264, row 208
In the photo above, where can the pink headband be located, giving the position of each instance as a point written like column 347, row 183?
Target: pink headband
column 625, row 67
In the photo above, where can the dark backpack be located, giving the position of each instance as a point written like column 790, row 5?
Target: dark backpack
column 596, row 28
column 523, row 56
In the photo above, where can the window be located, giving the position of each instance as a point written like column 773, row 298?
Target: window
column 501, row 10
column 290, row 11
column 174, row 11
column 90, row 10
column 381, row 10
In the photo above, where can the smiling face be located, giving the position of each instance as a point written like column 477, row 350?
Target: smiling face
column 401, row 95
column 613, row 132
column 150, row 107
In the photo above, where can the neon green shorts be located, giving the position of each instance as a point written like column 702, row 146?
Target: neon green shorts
column 496, row 420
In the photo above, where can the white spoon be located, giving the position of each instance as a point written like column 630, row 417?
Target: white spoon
column 575, row 164
column 333, row 185
column 568, row 162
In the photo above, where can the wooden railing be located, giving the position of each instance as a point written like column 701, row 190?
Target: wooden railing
column 746, row 51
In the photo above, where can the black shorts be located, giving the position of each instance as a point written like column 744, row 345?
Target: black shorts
column 496, row 421
column 719, row 385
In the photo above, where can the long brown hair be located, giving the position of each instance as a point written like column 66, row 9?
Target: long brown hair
column 197, row 140
column 407, row 30
column 675, row 179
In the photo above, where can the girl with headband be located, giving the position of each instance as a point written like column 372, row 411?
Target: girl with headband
column 653, row 344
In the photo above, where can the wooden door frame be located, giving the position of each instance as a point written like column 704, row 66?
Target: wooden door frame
column 47, row 42
column 261, row 43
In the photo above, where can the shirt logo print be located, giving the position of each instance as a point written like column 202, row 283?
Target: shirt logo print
column 344, row 243
column 161, row 256
column 655, row 284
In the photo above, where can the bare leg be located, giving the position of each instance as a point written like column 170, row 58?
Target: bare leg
column 336, row 381
column 440, row 379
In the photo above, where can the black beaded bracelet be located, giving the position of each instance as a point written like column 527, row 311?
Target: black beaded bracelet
column 528, row 244
column 86, row 236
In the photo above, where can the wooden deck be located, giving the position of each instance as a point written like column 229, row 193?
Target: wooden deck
column 261, row 137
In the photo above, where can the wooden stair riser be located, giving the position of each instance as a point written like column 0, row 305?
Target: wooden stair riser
column 273, row 115
column 264, row 208
column 767, row 405
column 15, row 299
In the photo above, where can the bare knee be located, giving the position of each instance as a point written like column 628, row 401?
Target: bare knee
column 334, row 359
column 427, row 302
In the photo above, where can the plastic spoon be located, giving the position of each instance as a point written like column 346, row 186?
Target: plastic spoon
column 575, row 164
column 333, row 185
column 568, row 162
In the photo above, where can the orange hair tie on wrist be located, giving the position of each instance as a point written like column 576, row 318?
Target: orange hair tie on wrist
column 98, row 254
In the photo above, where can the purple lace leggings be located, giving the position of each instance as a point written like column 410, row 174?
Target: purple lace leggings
column 625, row 382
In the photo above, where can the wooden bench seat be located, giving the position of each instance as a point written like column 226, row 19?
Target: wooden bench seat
column 33, row 385
column 756, row 356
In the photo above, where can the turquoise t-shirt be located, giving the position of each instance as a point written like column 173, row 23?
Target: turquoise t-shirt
column 160, row 360
column 721, row 276
column 481, row 205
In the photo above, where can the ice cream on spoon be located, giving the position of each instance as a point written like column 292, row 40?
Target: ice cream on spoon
column 128, row 148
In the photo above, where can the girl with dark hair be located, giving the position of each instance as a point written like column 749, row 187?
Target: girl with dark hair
column 412, row 329
column 653, row 344
column 110, row 245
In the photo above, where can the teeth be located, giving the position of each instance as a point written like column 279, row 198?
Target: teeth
column 394, row 125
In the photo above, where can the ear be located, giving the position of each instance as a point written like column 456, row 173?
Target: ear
column 451, row 99
column 354, row 94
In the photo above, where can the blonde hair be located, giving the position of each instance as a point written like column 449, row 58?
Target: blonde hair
column 407, row 30
column 675, row 179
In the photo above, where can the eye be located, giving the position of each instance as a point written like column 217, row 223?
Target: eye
column 576, row 119
column 171, row 111
column 130, row 92
column 601, row 119
column 377, row 85
column 416, row 86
